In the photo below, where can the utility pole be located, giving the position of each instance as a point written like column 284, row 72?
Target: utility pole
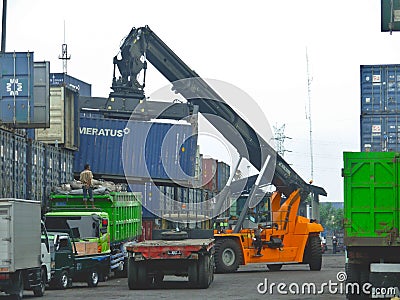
column 4, row 27
column 308, row 116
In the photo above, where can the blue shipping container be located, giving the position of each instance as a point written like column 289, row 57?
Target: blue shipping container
column 36, row 170
column 150, row 198
column 223, row 174
column 380, row 133
column 16, row 88
column 74, row 84
column 20, row 170
column 115, row 148
column 380, row 89
column 6, row 164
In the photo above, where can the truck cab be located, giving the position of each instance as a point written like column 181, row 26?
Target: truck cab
column 76, row 261
column 86, row 227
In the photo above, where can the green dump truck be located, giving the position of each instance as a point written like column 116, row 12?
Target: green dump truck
column 371, row 223
column 116, row 220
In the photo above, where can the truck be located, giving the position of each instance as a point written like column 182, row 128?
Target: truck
column 116, row 220
column 174, row 252
column 76, row 261
column 24, row 248
column 289, row 238
column 371, row 224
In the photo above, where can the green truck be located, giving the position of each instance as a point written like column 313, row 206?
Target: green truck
column 116, row 220
column 371, row 224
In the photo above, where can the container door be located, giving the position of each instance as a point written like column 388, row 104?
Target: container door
column 5, row 237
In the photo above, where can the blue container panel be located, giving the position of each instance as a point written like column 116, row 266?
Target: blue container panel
column 16, row 88
column 138, row 149
column 66, row 165
column 150, row 198
column 380, row 133
column 36, row 171
column 380, row 89
column 52, row 172
column 20, row 170
column 223, row 174
column 62, row 79
column 6, row 164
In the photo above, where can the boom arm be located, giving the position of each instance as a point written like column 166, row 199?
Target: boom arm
column 143, row 44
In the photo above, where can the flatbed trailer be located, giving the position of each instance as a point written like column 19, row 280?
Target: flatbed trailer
column 149, row 261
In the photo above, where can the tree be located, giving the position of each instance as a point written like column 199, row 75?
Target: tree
column 331, row 218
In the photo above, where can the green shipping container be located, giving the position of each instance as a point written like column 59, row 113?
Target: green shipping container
column 371, row 198
column 124, row 210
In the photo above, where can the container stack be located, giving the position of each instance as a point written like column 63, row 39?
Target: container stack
column 380, row 108
column 30, row 169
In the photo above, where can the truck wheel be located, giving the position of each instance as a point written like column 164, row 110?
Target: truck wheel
column 275, row 267
column 359, row 274
column 137, row 275
column 18, row 292
column 228, row 256
column 93, row 278
column 133, row 283
column 205, row 271
column 38, row 291
column 313, row 254
column 63, row 280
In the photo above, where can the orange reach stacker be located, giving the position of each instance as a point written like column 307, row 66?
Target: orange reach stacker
column 286, row 237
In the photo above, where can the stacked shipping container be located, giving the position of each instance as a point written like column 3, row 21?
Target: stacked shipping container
column 380, row 108
column 30, row 169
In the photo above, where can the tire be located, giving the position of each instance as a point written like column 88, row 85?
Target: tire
column 93, row 278
column 174, row 235
column 192, row 274
column 133, row 283
column 63, row 281
column 313, row 253
column 359, row 274
column 18, row 291
column 205, row 271
column 38, row 291
column 274, row 268
column 228, row 255
column 137, row 275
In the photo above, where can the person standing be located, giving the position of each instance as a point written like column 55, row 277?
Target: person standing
column 257, row 240
column 86, row 178
column 334, row 244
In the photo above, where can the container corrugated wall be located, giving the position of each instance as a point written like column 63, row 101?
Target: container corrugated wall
column 380, row 89
column 380, row 133
column 64, row 119
column 36, row 170
column 16, row 103
column 153, row 150
column 20, row 162
column 30, row 169
column 6, row 164
column 223, row 173
column 380, row 108
column 209, row 174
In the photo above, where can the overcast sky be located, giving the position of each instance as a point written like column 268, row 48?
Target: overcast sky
column 258, row 46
